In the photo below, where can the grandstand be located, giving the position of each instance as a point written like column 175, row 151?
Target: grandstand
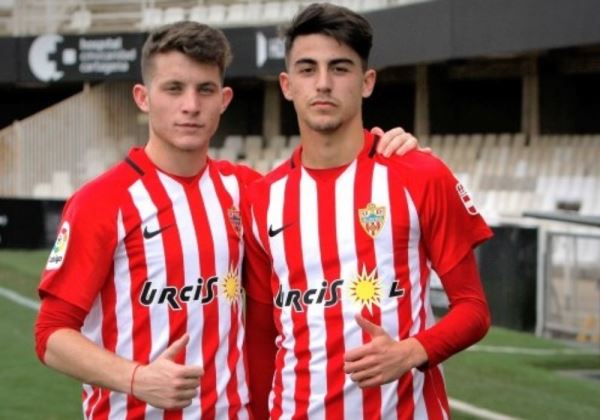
column 507, row 92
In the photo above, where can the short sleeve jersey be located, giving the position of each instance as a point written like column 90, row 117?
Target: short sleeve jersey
column 150, row 257
column 325, row 245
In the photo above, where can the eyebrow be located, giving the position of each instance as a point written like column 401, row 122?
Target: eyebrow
column 333, row 62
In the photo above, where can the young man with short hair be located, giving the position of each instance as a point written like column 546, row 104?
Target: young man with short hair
column 340, row 246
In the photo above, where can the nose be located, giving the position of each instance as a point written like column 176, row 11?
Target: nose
column 190, row 102
column 323, row 82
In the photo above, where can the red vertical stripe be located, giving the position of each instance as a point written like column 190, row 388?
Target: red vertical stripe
column 92, row 402
column 295, row 261
column 333, row 316
column 140, row 335
column 399, row 217
column 365, row 252
column 210, row 331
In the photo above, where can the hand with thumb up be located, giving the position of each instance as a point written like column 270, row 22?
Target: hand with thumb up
column 382, row 359
column 166, row 384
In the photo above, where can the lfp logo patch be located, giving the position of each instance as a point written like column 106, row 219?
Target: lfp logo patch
column 57, row 255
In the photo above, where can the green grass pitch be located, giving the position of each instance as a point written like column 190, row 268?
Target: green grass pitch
column 517, row 385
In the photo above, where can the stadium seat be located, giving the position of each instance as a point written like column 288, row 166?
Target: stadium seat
column 253, row 146
column 236, row 13
column 151, row 18
column 233, row 146
column 373, row 4
column 173, row 14
column 272, row 11
column 42, row 190
column 289, row 9
column 217, row 14
column 199, row 14
column 81, row 20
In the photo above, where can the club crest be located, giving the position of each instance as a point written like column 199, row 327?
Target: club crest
column 235, row 220
column 372, row 219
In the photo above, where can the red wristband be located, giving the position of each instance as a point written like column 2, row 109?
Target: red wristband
column 132, row 377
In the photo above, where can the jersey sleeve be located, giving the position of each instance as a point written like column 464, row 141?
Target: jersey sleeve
column 468, row 318
column 247, row 175
column 451, row 224
column 82, row 256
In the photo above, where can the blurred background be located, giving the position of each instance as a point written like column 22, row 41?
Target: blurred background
column 507, row 92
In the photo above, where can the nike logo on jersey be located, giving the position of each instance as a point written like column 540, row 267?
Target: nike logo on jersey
column 151, row 234
column 273, row 232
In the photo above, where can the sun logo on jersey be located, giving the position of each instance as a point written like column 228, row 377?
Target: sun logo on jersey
column 372, row 219
column 365, row 289
column 230, row 286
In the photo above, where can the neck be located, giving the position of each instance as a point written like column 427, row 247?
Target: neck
column 323, row 150
column 176, row 161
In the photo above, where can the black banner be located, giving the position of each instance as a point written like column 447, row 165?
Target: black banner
column 421, row 32
column 53, row 58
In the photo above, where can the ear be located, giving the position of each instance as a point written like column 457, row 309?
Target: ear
column 368, row 83
column 227, row 97
column 140, row 96
column 284, row 83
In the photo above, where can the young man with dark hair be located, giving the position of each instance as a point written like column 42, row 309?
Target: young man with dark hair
column 141, row 296
column 340, row 246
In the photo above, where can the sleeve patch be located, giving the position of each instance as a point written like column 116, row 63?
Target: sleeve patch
column 466, row 199
column 59, row 250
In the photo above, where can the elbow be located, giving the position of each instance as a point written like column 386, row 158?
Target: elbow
column 485, row 320
column 41, row 339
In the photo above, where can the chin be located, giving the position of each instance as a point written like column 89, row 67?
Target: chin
column 325, row 126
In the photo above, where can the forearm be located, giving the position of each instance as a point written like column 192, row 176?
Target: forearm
column 69, row 352
column 468, row 318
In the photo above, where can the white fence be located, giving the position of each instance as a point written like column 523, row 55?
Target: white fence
column 54, row 151
column 569, row 287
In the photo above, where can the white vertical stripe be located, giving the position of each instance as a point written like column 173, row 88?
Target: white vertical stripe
column 414, row 268
column 217, row 225
column 124, row 315
column 384, row 255
column 155, row 263
column 191, row 271
column 275, row 219
column 92, row 329
column 311, row 253
column 346, row 244
column 230, row 182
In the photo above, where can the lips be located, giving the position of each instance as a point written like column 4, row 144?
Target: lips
column 322, row 103
column 189, row 126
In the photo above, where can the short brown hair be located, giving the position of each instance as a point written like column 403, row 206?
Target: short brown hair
column 340, row 23
column 197, row 41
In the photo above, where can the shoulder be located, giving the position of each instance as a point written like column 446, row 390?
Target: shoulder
column 104, row 192
column 262, row 185
column 417, row 166
column 245, row 174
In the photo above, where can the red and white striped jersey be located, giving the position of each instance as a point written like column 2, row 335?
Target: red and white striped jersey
column 360, row 239
column 150, row 257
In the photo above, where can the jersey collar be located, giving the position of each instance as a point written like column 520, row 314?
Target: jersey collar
column 369, row 149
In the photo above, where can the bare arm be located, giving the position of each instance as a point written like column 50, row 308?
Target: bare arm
column 162, row 383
